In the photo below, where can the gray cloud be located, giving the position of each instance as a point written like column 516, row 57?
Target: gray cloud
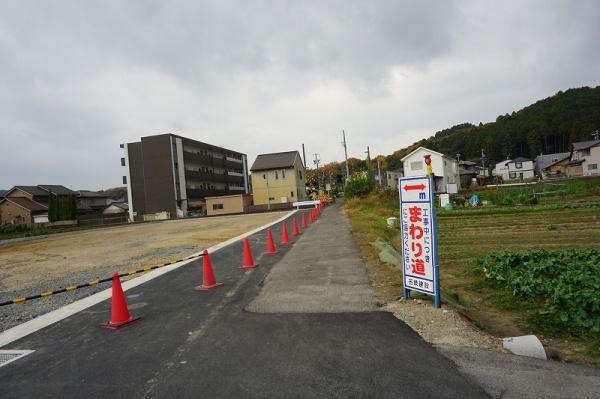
column 78, row 78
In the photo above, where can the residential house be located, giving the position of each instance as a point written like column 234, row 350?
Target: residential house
column 547, row 165
column 116, row 208
column 520, row 168
column 501, row 169
column 228, row 204
column 22, row 210
column 445, row 169
column 91, row 202
column 542, row 161
column 278, row 178
column 29, row 204
column 584, row 158
column 392, row 177
column 173, row 174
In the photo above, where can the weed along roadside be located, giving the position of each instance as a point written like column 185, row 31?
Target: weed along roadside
column 470, row 240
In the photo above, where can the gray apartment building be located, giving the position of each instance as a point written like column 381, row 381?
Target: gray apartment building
column 175, row 174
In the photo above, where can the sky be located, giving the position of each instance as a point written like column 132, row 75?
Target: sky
column 78, row 78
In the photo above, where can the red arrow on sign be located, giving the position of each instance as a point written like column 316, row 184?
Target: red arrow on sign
column 419, row 187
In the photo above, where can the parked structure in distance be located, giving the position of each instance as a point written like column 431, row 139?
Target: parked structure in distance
column 278, row 178
column 173, row 175
column 228, row 204
column 445, row 169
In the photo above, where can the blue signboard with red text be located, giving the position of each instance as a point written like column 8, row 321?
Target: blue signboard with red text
column 419, row 236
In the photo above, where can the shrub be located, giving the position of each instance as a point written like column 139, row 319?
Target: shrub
column 566, row 282
column 359, row 185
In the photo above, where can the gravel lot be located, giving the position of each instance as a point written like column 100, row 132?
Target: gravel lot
column 56, row 261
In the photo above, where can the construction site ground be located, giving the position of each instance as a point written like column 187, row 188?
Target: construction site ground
column 51, row 262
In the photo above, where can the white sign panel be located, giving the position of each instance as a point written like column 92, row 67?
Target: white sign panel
column 418, row 234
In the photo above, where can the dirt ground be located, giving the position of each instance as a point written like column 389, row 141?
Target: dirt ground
column 124, row 248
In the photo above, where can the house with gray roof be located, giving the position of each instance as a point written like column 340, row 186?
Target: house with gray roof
column 584, row 158
column 278, row 178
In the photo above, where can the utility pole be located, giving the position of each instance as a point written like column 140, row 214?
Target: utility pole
column 316, row 161
column 304, row 157
column 379, row 173
column 368, row 152
column 483, row 162
column 345, row 154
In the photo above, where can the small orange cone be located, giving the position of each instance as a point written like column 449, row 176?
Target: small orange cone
column 119, row 314
column 270, row 244
column 310, row 217
column 295, row 229
column 208, row 276
column 304, row 225
column 284, row 234
column 248, row 262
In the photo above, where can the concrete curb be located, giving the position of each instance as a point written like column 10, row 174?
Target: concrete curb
column 31, row 326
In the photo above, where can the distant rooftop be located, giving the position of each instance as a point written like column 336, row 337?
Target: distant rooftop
column 584, row 145
column 275, row 160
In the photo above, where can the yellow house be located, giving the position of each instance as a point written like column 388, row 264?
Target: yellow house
column 278, row 178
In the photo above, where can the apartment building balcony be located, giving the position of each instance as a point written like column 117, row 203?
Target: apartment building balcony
column 193, row 174
column 234, row 179
column 203, row 159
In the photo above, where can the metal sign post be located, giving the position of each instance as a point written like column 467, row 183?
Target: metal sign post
column 419, row 235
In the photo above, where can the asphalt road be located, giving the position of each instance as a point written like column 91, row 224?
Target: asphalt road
column 205, row 344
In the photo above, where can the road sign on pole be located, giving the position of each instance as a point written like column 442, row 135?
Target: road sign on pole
column 419, row 236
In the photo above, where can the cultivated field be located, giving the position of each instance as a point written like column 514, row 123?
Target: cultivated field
column 49, row 263
column 467, row 235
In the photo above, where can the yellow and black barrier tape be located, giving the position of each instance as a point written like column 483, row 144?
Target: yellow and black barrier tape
column 94, row 282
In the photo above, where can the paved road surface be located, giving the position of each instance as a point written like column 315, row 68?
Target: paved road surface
column 204, row 344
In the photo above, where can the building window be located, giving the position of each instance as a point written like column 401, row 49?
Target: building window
column 217, row 206
column 300, row 174
column 519, row 165
column 283, row 174
column 416, row 165
column 122, row 145
column 124, row 179
column 512, row 175
column 122, row 161
column 292, row 194
column 276, row 175
column 593, row 166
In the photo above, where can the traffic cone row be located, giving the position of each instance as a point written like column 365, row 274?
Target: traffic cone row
column 120, row 316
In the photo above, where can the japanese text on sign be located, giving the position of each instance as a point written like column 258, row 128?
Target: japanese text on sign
column 417, row 235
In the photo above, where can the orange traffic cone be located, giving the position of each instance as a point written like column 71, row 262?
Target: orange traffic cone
column 119, row 314
column 284, row 234
column 208, row 276
column 304, row 225
column 310, row 217
column 270, row 244
column 295, row 229
column 248, row 262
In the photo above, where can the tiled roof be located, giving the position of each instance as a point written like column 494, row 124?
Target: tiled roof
column 90, row 194
column 57, row 189
column 584, row 145
column 33, row 190
column 275, row 160
column 543, row 161
column 26, row 203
